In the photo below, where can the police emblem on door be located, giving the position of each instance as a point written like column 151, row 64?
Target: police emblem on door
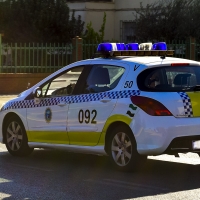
column 48, row 115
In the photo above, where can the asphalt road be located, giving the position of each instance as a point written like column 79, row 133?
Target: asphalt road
column 52, row 175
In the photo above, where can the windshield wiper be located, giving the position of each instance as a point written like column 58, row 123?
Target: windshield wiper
column 196, row 88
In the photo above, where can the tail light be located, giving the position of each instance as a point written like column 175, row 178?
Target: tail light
column 150, row 106
column 179, row 64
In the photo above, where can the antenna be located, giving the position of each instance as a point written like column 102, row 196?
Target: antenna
column 163, row 57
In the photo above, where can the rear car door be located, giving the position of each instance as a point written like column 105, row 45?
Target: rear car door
column 96, row 100
column 176, row 87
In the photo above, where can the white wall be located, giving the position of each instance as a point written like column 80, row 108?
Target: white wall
column 94, row 12
column 79, row 9
column 124, row 11
column 116, row 11
column 132, row 3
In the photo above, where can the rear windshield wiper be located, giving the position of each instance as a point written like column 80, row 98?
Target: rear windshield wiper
column 196, row 88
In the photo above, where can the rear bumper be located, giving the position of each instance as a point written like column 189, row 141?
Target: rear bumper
column 182, row 145
column 166, row 134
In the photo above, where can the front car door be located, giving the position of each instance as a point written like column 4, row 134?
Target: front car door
column 47, row 119
column 94, row 103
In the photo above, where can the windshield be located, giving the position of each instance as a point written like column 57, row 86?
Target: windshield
column 173, row 78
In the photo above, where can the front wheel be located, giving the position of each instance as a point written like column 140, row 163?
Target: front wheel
column 123, row 150
column 15, row 138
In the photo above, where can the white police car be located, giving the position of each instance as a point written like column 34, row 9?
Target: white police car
column 127, row 104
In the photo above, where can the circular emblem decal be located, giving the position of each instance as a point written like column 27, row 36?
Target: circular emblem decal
column 48, row 115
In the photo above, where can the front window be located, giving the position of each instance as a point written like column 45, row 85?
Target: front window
column 63, row 84
column 173, row 78
column 103, row 78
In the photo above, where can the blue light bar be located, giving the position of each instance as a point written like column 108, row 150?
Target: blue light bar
column 132, row 46
column 159, row 46
column 121, row 46
column 124, row 49
column 104, row 47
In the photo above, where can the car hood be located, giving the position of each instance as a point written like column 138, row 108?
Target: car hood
column 20, row 97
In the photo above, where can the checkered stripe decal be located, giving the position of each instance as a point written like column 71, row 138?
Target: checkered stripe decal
column 187, row 104
column 71, row 99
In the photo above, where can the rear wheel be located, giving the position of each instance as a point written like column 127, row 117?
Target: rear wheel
column 123, row 151
column 15, row 138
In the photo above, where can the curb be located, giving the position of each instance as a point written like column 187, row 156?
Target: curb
column 8, row 96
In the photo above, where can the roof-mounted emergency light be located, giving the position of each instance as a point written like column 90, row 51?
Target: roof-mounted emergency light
column 134, row 49
column 159, row 46
column 106, row 47
column 132, row 46
column 121, row 46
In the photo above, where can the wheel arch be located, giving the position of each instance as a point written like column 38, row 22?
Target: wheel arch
column 110, row 128
column 8, row 116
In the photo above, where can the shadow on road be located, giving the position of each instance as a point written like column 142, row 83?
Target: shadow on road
column 49, row 174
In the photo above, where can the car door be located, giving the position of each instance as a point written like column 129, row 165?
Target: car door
column 175, row 86
column 47, row 118
column 96, row 100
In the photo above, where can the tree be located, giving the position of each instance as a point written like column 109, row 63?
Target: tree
column 92, row 36
column 38, row 21
column 167, row 20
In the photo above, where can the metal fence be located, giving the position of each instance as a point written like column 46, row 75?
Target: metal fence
column 47, row 58
column 34, row 57
column 179, row 47
column 89, row 48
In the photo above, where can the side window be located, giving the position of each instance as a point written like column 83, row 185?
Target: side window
column 181, row 78
column 63, row 84
column 154, row 79
column 103, row 78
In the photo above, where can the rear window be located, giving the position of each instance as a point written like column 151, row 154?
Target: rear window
column 179, row 78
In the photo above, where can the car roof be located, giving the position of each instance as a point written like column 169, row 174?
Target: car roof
column 150, row 61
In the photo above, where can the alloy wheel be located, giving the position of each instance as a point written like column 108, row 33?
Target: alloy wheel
column 14, row 136
column 121, row 149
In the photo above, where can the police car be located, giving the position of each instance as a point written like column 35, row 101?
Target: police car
column 129, row 102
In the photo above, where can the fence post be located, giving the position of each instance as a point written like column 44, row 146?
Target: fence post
column 0, row 52
column 77, row 49
column 0, row 49
column 191, row 48
column 15, row 58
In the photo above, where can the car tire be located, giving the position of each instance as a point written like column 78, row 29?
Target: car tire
column 16, row 138
column 123, row 150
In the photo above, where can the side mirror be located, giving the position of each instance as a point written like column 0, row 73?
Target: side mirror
column 28, row 85
column 37, row 92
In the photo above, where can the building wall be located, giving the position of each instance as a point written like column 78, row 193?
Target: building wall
column 124, row 11
column 94, row 12
column 79, row 9
column 116, row 11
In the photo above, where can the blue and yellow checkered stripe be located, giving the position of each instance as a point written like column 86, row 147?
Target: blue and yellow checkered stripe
column 71, row 99
column 92, row 97
column 186, row 103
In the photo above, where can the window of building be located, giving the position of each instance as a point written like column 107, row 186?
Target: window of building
column 127, row 32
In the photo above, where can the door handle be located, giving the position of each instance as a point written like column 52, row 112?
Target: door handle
column 105, row 100
column 62, row 103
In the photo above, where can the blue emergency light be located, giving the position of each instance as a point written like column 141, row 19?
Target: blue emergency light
column 132, row 46
column 133, row 49
column 106, row 47
column 121, row 46
column 159, row 46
